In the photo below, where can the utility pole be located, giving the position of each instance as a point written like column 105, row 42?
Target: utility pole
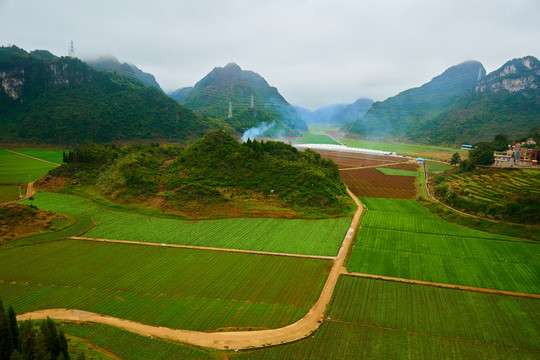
column 230, row 110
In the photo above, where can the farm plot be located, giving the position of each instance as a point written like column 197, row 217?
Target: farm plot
column 20, row 169
column 373, row 183
column 10, row 192
column 296, row 236
column 178, row 288
column 54, row 156
column 128, row 345
column 400, row 238
column 347, row 160
column 394, row 171
column 379, row 319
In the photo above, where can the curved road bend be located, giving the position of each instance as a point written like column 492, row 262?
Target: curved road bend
column 227, row 340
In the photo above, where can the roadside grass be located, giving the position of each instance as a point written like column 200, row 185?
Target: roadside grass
column 179, row 288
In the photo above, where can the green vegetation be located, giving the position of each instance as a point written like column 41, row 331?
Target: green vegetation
column 400, row 238
column 51, row 155
column 27, row 342
column 65, row 101
column 390, row 171
column 456, row 107
column 20, row 169
column 504, row 194
column 215, row 171
column 435, row 167
column 178, row 288
column 127, row 345
column 297, row 236
column 380, row 319
column 315, row 138
column 230, row 84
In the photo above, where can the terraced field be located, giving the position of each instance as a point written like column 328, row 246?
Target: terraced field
column 387, row 320
column 400, row 238
column 178, row 288
column 296, row 236
column 496, row 186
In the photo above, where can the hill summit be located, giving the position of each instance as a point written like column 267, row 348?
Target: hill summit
column 248, row 95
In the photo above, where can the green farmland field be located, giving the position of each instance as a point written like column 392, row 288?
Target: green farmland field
column 390, row 171
column 434, row 167
column 400, row 238
column 296, row 236
column 374, row 319
column 179, row 288
column 20, row 169
column 128, row 345
column 54, row 156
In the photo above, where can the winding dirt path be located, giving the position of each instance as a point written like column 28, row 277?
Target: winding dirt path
column 31, row 157
column 30, row 191
column 226, row 340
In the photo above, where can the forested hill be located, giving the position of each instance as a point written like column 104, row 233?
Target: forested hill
column 231, row 85
column 61, row 100
column 505, row 101
column 216, row 173
column 396, row 116
column 110, row 63
column 462, row 105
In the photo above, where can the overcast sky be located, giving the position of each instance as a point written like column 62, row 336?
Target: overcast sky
column 316, row 52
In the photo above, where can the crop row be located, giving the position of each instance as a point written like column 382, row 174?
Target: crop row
column 395, row 171
column 297, row 236
column 191, row 289
column 388, row 320
column 373, row 183
column 400, row 238
column 20, row 169
column 128, row 345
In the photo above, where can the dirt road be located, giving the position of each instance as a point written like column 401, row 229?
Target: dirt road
column 441, row 285
column 226, row 340
column 204, row 248
column 333, row 138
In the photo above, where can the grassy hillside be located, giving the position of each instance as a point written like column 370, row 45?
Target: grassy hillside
column 216, row 175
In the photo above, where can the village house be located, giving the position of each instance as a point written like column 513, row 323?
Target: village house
column 503, row 158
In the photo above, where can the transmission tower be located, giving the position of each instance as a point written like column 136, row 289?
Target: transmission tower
column 252, row 105
column 230, row 110
column 71, row 50
column 479, row 74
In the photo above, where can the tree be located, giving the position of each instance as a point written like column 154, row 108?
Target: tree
column 27, row 340
column 455, row 159
column 6, row 339
column 13, row 327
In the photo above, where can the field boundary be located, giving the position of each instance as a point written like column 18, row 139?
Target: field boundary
column 145, row 243
column 32, row 157
column 344, row 271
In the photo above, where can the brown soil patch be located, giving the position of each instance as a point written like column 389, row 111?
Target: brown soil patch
column 346, row 160
column 19, row 220
column 51, row 183
column 403, row 166
column 373, row 183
